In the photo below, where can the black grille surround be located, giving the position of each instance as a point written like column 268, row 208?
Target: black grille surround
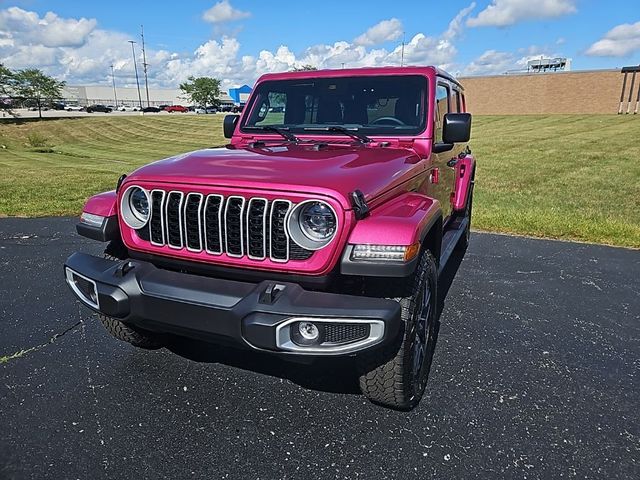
column 234, row 225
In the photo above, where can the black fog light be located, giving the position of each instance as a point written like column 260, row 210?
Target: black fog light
column 306, row 333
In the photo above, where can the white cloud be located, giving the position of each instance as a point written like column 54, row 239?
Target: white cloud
column 456, row 25
column 618, row 42
column 491, row 62
column 48, row 31
column 384, row 31
column 223, row 12
column 502, row 13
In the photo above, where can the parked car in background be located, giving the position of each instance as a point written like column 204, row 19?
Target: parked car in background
column 73, row 108
column 162, row 107
column 98, row 108
column 128, row 108
column 151, row 110
column 176, row 108
column 206, row 110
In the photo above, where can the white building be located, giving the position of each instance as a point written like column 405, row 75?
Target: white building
column 103, row 95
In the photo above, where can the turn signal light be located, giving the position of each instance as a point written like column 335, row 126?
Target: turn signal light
column 392, row 253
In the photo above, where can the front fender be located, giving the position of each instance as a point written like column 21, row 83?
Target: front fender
column 405, row 220
column 103, row 204
column 464, row 176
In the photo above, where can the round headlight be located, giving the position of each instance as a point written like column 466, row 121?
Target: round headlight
column 139, row 203
column 317, row 221
column 312, row 224
column 134, row 207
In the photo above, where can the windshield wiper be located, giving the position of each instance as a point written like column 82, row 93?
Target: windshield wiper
column 350, row 132
column 269, row 128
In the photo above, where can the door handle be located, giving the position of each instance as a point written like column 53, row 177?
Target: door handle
column 452, row 162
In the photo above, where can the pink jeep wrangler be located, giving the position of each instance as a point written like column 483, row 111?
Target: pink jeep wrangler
column 319, row 230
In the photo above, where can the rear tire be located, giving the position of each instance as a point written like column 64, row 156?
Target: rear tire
column 396, row 376
column 127, row 333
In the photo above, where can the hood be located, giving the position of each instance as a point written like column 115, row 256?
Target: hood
column 303, row 168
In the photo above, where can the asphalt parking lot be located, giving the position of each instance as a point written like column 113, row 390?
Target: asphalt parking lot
column 536, row 375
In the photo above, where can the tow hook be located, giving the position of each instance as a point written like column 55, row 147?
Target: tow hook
column 123, row 269
column 271, row 293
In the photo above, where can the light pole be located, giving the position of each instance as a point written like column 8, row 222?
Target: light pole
column 115, row 95
column 144, row 65
column 135, row 67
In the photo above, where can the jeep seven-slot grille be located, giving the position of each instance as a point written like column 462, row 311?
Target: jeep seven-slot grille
column 234, row 225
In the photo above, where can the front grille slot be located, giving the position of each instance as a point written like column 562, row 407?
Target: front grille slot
column 238, row 226
column 173, row 216
column 156, row 223
column 192, row 227
column 279, row 247
column 213, row 224
column 257, row 228
column 233, row 226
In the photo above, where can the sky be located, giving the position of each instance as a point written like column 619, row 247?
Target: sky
column 238, row 40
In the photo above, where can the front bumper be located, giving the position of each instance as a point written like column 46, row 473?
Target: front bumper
column 252, row 315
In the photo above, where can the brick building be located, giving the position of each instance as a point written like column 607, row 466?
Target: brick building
column 595, row 91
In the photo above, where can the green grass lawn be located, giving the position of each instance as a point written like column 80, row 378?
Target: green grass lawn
column 572, row 177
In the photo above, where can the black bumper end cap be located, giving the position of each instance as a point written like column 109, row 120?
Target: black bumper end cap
column 109, row 230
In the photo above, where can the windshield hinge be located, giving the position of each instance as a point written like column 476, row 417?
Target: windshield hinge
column 359, row 204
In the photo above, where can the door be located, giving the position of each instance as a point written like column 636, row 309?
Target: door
column 444, row 156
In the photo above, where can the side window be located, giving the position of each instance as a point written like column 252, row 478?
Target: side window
column 457, row 105
column 442, row 108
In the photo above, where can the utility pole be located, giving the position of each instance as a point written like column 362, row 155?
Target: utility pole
column 402, row 54
column 144, row 64
column 135, row 67
column 115, row 95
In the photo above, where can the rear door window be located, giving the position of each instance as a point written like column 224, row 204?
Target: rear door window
column 441, row 109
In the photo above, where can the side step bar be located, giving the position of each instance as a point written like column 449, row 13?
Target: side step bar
column 449, row 241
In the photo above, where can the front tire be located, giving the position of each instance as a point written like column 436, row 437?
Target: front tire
column 135, row 336
column 396, row 376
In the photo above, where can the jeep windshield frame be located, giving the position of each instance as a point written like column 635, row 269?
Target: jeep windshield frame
column 371, row 105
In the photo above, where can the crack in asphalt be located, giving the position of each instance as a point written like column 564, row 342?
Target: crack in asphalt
column 22, row 353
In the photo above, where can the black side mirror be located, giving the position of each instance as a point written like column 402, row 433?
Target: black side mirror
column 456, row 128
column 229, row 125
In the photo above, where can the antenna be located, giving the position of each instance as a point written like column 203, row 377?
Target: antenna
column 144, row 64
column 402, row 55
column 113, row 79
column 135, row 67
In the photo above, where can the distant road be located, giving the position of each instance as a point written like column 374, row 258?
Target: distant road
column 24, row 113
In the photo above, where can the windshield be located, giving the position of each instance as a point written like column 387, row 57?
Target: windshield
column 385, row 105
